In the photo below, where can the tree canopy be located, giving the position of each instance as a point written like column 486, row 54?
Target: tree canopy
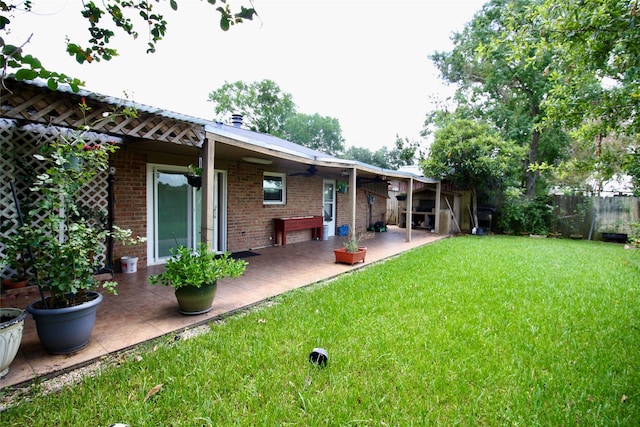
column 103, row 19
column 315, row 131
column 595, row 62
column 495, row 87
column 264, row 106
column 473, row 156
column 404, row 153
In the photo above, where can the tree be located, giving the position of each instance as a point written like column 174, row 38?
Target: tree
column 595, row 67
column 594, row 78
column 103, row 20
column 265, row 108
column 473, row 156
column 316, row 132
column 493, row 85
column 404, row 153
column 378, row 158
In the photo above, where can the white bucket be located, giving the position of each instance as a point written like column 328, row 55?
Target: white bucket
column 129, row 264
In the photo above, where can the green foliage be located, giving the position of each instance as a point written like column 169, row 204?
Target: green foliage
column 496, row 86
column 596, row 63
column 530, row 332
column 405, row 152
column 266, row 109
column 316, row 132
column 532, row 216
column 62, row 234
column 634, row 237
column 186, row 268
column 471, row 155
column 263, row 105
column 632, row 168
column 119, row 13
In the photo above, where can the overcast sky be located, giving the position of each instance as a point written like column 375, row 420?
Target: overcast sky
column 364, row 62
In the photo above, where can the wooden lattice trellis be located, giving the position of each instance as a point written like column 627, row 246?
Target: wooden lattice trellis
column 37, row 104
column 18, row 164
column 32, row 114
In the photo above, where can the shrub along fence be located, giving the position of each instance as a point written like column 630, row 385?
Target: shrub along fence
column 575, row 216
column 593, row 216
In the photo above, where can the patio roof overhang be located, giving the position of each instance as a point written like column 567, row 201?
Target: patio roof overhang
column 239, row 145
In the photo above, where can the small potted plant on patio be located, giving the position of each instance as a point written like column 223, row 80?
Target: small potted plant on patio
column 17, row 259
column 194, row 276
column 129, row 263
column 352, row 252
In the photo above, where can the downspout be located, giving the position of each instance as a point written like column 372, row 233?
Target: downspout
column 208, row 174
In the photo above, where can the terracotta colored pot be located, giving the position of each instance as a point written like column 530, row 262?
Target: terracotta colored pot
column 350, row 257
column 14, row 283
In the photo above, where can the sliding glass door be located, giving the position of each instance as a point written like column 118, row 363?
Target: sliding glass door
column 176, row 217
column 175, row 212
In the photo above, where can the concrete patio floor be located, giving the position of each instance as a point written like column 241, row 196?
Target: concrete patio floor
column 142, row 312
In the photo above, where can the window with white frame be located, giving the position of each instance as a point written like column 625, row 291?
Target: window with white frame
column 274, row 188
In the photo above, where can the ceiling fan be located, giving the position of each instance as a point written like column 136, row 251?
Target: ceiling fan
column 311, row 171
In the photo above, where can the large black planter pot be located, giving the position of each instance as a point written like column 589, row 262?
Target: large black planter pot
column 196, row 300
column 66, row 330
column 614, row 237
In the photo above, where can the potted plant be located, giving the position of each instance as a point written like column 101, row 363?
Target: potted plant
column 11, row 325
column 352, row 252
column 65, row 242
column 129, row 263
column 341, row 187
column 614, row 233
column 401, row 197
column 17, row 259
column 194, row 276
column 194, row 176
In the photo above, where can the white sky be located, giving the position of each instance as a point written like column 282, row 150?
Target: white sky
column 363, row 62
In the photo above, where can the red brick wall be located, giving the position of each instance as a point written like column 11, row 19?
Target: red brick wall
column 250, row 222
column 130, row 207
column 362, row 210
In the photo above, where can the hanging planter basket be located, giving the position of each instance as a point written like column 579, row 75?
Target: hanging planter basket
column 194, row 180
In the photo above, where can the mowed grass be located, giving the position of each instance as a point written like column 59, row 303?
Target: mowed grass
column 467, row 331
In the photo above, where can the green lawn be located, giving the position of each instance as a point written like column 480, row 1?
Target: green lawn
column 468, row 331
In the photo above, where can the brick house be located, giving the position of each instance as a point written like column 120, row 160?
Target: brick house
column 249, row 179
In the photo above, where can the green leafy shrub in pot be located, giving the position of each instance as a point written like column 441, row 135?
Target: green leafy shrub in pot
column 63, row 235
column 189, row 268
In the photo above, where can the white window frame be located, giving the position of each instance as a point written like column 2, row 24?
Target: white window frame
column 152, row 212
column 284, row 188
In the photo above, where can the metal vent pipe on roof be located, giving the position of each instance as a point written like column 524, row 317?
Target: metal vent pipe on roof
column 236, row 120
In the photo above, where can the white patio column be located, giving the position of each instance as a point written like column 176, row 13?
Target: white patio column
column 409, row 214
column 352, row 200
column 208, row 174
column 437, row 224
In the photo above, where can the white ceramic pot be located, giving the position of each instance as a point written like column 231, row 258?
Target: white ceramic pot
column 10, row 336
